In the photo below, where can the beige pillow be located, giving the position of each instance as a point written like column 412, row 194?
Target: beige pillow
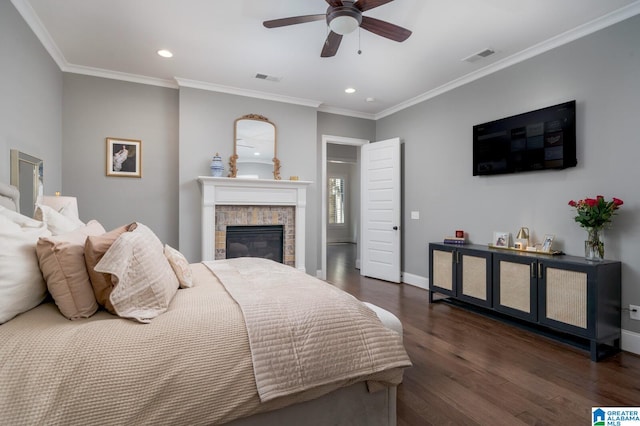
column 62, row 263
column 57, row 222
column 143, row 280
column 21, row 284
column 180, row 266
column 94, row 248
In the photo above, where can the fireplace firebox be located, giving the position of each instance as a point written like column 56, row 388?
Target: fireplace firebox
column 265, row 241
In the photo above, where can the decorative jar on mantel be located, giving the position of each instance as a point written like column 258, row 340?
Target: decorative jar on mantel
column 216, row 166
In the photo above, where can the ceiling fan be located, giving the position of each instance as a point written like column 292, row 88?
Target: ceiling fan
column 343, row 17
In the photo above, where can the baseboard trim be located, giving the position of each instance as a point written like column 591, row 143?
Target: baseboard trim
column 630, row 342
column 415, row 280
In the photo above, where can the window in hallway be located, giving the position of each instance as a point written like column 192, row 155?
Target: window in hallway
column 336, row 200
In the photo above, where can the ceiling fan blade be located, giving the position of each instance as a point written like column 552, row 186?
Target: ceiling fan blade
column 334, row 3
column 283, row 22
column 331, row 45
column 385, row 29
column 370, row 4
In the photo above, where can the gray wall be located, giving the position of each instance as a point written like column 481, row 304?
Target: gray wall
column 96, row 108
column 206, row 127
column 349, row 127
column 30, row 99
column 601, row 72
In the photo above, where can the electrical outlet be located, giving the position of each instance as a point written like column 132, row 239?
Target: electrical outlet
column 635, row 315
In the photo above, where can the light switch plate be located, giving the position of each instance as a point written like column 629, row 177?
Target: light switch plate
column 415, row 215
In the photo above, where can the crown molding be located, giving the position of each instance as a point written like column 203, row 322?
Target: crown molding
column 598, row 24
column 123, row 76
column 347, row 112
column 202, row 85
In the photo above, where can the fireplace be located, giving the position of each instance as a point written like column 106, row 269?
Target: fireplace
column 231, row 202
column 255, row 241
column 252, row 216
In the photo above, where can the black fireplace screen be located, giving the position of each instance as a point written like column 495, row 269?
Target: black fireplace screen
column 264, row 241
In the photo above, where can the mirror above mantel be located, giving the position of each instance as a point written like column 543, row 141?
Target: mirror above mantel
column 254, row 149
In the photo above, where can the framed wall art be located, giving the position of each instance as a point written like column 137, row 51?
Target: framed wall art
column 124, row 157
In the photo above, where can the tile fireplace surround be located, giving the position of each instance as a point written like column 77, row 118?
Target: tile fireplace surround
column 252, row 194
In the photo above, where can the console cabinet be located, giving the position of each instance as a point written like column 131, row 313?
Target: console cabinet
column 462, row 273
column 565, row 294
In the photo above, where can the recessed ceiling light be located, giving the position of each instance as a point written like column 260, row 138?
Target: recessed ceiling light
column 350, row 90
column 165, row 53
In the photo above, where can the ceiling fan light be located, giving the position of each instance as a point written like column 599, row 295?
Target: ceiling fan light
column 343, row 24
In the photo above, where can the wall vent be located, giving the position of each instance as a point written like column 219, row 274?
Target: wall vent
column 260, row 76
column 479, row 55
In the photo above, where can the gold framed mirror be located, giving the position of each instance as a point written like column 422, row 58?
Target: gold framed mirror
column 254, row 149
column 27, row 175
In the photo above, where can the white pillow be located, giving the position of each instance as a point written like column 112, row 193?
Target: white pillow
column 57, row 222
column 180, row 266
column 143, row 280
column 22, row 286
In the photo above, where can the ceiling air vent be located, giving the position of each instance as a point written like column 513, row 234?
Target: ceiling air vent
column 479, row 55
column 268, row 77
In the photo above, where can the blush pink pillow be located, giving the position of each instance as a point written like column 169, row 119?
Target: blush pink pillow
column 94, row 249
column 61, row 260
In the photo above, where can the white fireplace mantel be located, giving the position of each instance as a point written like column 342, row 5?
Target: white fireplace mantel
column 217, row 191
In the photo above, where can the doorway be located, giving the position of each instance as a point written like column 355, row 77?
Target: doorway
column 338, row 150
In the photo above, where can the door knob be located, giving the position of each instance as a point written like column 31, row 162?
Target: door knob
column 395, row 228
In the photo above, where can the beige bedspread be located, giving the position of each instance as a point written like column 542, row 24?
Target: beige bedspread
column 304, row 332
column 191, row 365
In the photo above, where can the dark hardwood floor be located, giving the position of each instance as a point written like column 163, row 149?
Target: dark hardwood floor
column 469, row 369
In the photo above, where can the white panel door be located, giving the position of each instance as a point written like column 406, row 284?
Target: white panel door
column 380, row 169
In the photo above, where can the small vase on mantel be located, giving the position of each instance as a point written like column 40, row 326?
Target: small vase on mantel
column 216, row 166
column 594, row 245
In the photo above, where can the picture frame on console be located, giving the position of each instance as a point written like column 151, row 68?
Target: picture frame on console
column 546, row 243
column 124, row 157
column 500, row 239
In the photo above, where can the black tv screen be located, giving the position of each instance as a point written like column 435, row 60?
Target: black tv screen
column 536, row 140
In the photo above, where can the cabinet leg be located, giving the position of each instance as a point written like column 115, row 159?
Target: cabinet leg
column 601, row 351
column 593, row 350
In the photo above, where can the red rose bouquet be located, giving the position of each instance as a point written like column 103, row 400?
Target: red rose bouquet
column 595, row 212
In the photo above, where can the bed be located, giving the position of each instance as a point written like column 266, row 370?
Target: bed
column 228, row 349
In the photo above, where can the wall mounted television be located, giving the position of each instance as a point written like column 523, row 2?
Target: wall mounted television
column 536, row 140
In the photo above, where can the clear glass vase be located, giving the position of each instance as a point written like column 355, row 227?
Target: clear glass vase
column 594, row 245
